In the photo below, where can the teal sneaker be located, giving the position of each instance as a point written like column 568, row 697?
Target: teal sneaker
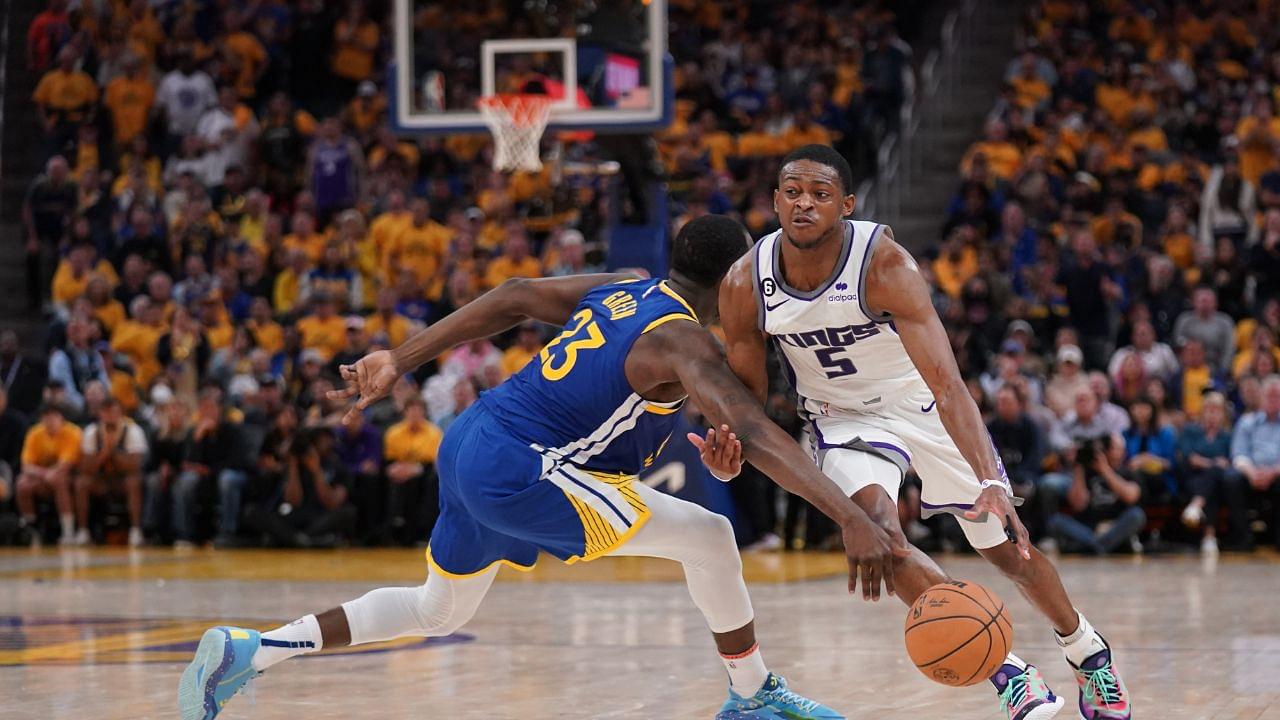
column 774, row 701
column 1024, row 695
column 221, row 667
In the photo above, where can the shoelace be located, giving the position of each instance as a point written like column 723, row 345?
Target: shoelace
column 1014, row 693
column 1102, row 683
column 785, row 694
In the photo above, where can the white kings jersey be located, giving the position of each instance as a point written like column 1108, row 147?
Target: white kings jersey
column 841, row 358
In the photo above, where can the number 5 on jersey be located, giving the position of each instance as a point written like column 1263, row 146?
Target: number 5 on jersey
column 584, row 334
column 836, row 366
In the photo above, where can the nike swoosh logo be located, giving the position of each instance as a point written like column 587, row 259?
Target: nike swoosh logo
column 928, row 407
column 776, row 306
column 872, row 401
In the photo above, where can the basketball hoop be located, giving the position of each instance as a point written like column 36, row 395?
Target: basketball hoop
column 517, row 123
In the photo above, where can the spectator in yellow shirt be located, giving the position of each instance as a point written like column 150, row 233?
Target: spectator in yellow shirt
column 804, row 131
column 957, row 262
column 71, row 279
column 323, row 330
column 385, row 319
column 106, row 309
column 355, row 41
column 528, row 343
column 288, row 285
column 49, row 454
column 305, row 237
column 1259, row 136
column 390, row 223
column 266, row 331
column 420, row 245
column 129, row 98
column 64, row 99
column 515, row 260
column 248, row 58
column 1003, row 157
column 410, row 448
column 136, row 338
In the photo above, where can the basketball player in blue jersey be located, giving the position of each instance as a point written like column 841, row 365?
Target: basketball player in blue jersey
column 548, row 460
column 853, row 321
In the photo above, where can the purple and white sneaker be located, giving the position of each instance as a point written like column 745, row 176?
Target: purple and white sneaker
column 1102, row 692
column 1024, row 695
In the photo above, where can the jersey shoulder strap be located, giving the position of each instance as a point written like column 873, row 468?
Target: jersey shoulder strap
column 866, row 236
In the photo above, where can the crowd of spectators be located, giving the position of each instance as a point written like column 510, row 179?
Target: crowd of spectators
column 1110, row 272
column 225, row 216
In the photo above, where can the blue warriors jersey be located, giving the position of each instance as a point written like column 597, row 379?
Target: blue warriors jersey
column 573, row 403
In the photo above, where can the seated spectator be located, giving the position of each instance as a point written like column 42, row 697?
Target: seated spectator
column 1009, row 365
column 170, row 425
column 1157, row 358
column 386, row 319
column 49, row 456
column 1114, row 417
column 76, row 363
column 1204, row 455
column 184, row 354
column 528, row 343
column 335, row 277
column 112, row 452
column 311, row 507
column 1018, row 440
column 1150, row 449
column 1255, row 450
column 409, row 450
column 1067, row 380
column 13, row 430
column 1262, row 347
column 209, row 456
column 360, row 451
column 1194, row 379
column 1103, row 502
column 1213, row 329
column 323, row 330
column 515, row 260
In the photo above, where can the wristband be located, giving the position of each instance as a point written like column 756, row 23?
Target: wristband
column 997, row 483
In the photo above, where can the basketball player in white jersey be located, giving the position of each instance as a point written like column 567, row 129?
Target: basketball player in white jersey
column 851, row 318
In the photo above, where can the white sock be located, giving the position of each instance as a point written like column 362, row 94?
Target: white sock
column 68, row 523
column 747, row 672
column 1082, row 643
column 1001, row 678
column 298, row 637
column 1015, row 661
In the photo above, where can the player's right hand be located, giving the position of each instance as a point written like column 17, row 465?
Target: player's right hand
column 368, row 380
column 870, row 550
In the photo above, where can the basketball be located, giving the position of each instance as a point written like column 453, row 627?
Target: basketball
column 958, row 633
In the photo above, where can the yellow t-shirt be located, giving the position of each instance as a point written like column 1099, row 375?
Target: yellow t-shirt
column 110, row 314
column 350, row 59
column 219, row 336
column 1194, row 383
column 69, row 95
column 68, row 287
column 284, row 296
column 44, row 450
column 514, row 360
column 718, row 146
column 952, row 275
column 252, row 57
column 1181, row 249
column 418, row 249
column 397, row 328
column 138, row 341
column 1244, row 359
column 1004, row 158
column 1256, row 158
column 1030, row 91
column 402, row 443
column 270, row 335
column 386, row 227
column 327, row 336
column 759, row 144
column 503, row 267
column 130, row 103
column 815, row 134
column 311, row 245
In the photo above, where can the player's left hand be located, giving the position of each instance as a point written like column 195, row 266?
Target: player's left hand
column 721, row 452
column 369, row 379
column 995, row 500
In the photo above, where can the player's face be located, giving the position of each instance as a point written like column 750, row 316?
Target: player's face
column 809, row 202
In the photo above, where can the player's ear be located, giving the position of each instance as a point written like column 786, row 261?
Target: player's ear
column 850, row 202
column 775, row 201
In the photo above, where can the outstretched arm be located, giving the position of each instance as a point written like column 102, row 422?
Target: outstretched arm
column 550, row 300
column 739, row 316
column 686, row 353
column 895, row 287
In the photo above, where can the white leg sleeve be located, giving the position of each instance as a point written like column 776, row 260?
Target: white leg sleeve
column 435, row 609
column 703, row 543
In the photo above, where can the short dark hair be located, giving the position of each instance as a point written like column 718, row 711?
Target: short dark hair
column 707, row 246
column 823, row 155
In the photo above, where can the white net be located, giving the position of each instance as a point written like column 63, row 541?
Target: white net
column 517, row 123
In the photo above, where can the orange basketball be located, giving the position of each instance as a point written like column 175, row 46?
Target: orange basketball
column 958, row 633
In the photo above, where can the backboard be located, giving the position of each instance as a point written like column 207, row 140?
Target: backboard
column 604, row 60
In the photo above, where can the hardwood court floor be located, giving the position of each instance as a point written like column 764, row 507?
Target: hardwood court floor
column 105, row 634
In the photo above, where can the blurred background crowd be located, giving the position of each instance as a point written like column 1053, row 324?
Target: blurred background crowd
column 225, row 216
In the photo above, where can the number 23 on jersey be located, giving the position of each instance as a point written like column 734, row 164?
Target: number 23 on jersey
column 561, row 354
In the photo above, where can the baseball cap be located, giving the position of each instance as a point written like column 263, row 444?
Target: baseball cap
column 1019, row 325
column 1070, row 353
column 312, row 355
